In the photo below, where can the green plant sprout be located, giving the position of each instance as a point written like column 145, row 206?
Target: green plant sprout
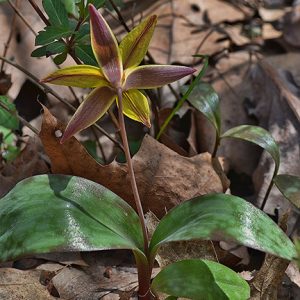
column 118, row 78
column 48, row 213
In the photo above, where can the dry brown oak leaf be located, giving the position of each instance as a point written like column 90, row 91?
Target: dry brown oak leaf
column 164, row 178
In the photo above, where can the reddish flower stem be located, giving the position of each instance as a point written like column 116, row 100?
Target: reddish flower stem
column 143, row 268
column 131, row 171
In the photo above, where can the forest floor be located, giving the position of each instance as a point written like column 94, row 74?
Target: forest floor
column 254, row 67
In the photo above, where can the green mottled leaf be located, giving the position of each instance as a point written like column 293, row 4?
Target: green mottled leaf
column 85, row 54
column 289, row 186
column 204, row 98
column 258, row 136
column 52, row 33
column 8, row 119
column 222, row 217
column 56, row 12
column 201, row 279
column 65, row 213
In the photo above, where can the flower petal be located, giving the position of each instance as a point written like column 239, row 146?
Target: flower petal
column 105, row 47
column 136, row 107
column 90, row 110
column 82, row 76
column 153, row 76
column 135, row 44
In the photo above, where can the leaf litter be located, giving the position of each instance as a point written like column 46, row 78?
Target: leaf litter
column 188, row 176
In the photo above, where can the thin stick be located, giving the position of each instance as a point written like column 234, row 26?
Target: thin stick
column 114, row 119
column 39, row 12
column 52, row 92
column 6, row 45
column 121, row 19
column 214, row 249
column 17, row 11
column 99, row 144
column 131, row 171
column 26, row 123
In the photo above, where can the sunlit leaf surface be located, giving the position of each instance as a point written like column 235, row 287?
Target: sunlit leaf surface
column 201, row 279
column 65, row 213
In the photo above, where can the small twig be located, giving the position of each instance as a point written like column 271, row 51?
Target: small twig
column 114, row 119
column 26, row 123
column 121, row 19
column 99, row 144
column 39, row 12
column 79, row 23
column 174, row 92
column 74, row 94
column 6, row 45
column 52, row 92
column 18, row 12
column 202, row 43
column 214, row 249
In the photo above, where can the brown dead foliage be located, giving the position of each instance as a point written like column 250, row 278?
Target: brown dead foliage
column 164, row 178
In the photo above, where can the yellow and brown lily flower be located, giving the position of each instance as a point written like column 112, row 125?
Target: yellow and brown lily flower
column 118, row 69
